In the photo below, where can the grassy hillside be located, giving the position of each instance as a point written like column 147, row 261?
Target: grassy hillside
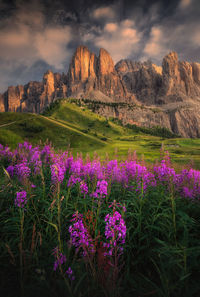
column 67, row 125
column 16, row 127
column 83, row 119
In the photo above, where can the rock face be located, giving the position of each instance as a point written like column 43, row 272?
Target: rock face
column 180, row 80
column 2, row 105
column 34, row 96
column 141, row 79
column 83, row 65
column 82, row 73
column 174, row 89
column 183, row 120
column 87, row 72
column 13, row 97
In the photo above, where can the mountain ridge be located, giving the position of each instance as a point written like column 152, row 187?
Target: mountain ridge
column 174, row 88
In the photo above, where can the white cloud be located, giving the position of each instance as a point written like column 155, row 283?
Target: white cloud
column 25, row 38
column 155, row 46
column 51, row 45
column 170, row 35
column 195, row 35
column 120, row 40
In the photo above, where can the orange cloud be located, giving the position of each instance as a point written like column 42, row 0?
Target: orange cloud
column 184, row 3
column 103, row 12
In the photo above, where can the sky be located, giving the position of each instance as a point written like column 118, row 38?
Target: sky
column 38, row 35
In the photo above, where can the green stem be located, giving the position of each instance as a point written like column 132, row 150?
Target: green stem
column 67, row 198
column 66, row 281
column 115, row 269
column 140, row 210
column 43, row 184
column 90, row 263
column 59, row 223
column 21, row 249
column 97, row 218
column 173, row 205
column 85, row 206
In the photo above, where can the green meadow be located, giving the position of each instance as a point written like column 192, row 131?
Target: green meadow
column 69, row 126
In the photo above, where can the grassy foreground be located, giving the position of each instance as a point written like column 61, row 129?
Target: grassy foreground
column 81, row 227
column 68, row 126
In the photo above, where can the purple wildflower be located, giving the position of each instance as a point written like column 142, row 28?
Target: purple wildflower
column 165, row 173
column 10, row 169
column 59, row 258
column 124, row 208
column 115, row 232
column 83, row 188
column 188, row 193
column 70, row 274
column 21, row 199
column 47, row 154
column 6, row 153
column 93, row 169
column 57, row 173
column 35, row 160
column 22, row 170
column 140, row 174
column 79, row 235
column 101, row 189
column 26, row 145
column 76, row 167
column 73, row 180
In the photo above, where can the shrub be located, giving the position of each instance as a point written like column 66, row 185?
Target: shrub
column 104, row 138
column 32, row 127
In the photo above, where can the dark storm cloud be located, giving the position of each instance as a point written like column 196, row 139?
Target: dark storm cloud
column 27, row 37
column 38, row 35
column 179, row 31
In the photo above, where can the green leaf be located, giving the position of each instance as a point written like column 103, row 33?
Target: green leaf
column 54, row 225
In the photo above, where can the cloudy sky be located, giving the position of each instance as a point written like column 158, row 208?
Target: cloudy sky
column 37, row 35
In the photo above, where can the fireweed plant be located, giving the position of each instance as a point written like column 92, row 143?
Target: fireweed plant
column 81, row 227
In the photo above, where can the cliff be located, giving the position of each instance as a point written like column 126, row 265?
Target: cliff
column 88, row 73
column 174, row 88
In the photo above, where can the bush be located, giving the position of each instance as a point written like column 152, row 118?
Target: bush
column 32, row 127
column 155, row 131
column 104, row 138
column 84, row 131
column 52, row 107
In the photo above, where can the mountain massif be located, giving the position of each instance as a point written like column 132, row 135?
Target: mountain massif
column 140, row 93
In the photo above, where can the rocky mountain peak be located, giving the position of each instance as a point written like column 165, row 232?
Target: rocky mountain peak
column 48, row 78
column 48, row 75
column 83, row 65
column 170, row 64
column 170, row 74
column 106, row 64
column 2, row 107
column 49, row 83
column 196, row 72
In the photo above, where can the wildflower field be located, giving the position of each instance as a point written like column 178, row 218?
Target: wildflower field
column 74, row 226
